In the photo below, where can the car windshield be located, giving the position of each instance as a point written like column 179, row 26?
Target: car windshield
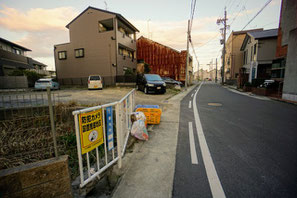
column 95, row 78
column 152, row 77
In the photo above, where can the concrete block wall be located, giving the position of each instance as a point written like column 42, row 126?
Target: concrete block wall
column 47, row 178
column 13, row 82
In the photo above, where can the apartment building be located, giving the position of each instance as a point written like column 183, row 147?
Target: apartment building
column 259, row 49
column 101, row 42
column 12, row 56
column 164, row 60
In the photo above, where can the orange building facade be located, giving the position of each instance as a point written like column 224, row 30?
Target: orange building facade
column 163, row 60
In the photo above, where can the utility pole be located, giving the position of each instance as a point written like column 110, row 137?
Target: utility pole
column 187, row 63
column 223, row 41
column 216, row 71
column 198, row 71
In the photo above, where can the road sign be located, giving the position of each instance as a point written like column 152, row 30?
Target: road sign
column 109, row 118
column 91, row 132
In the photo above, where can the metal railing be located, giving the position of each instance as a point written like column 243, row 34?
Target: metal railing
column 102, row 156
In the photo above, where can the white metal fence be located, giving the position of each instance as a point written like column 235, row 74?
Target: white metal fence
column 115, row 137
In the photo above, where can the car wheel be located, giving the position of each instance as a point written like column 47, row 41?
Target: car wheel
column 145, row 90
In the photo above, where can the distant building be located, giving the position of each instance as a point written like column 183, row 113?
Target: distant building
column 12, row 56
column 259, row 50
column 101, row 42
column 234, row 57
column 164, row 60
column 285, row 64
column 205, row 74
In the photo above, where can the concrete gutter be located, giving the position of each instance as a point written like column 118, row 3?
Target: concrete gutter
column 149, row 170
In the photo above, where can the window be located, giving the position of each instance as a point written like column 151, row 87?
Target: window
column 251, row 53
column 105, row 25
column 255, row 48
column 79, row 53
column 62, row 55
column 121, row 51
column 244, row 57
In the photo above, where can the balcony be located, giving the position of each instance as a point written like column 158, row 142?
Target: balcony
column 125, row 40
column 5, row 55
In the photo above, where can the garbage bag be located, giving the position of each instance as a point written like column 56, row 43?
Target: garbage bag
column 137, row 116
column 139, row 130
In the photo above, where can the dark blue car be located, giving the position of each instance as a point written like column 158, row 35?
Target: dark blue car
column 151, row 83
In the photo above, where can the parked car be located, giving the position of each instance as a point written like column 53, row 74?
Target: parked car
column 267, row 83
column 149, row 83
column 170, row 81
column 95, row 82
column 43, row 83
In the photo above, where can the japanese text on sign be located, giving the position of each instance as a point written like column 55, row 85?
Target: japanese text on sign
column 91, row 132
column 109, row 117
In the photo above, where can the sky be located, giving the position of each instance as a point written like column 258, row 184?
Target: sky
column 39, row 25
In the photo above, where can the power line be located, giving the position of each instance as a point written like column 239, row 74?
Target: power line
column 266, row 4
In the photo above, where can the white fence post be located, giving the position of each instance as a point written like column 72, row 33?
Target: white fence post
column 78, row 149
column 118, row 129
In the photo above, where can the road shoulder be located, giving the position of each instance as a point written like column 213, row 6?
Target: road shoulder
column 150, row 168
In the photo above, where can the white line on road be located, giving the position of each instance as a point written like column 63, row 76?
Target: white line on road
column 213, row 179
column 192, row 144
column 192, row 95
column 190, row 104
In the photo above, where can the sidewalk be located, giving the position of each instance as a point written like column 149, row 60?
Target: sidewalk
column 151, row 166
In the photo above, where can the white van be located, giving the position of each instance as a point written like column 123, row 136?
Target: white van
column 95, row 82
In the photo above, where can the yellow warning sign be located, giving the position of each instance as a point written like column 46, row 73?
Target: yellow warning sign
column 91, row 133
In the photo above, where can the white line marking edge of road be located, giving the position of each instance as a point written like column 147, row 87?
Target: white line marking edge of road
column 213, row 179
column 190, row 104
column 193, row 152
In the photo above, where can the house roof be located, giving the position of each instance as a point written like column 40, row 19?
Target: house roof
column 271, row 33
column 264, row 34
column 14, row 44
column 246, row 31
column 33, row 62
column 114, row 13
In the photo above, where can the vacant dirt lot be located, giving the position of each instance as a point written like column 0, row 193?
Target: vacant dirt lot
column 107, row 95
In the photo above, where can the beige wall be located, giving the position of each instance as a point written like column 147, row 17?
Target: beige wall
column 266, row 50
column 234, row 57
column 100, row 49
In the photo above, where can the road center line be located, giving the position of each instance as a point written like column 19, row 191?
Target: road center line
column 213, row 179
column 192, row 144
column 192, row 95
column 190, row 104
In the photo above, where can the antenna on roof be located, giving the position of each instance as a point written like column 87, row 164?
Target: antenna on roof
column 105, row 5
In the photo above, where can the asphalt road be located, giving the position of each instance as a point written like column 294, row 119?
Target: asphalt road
column 247, row 147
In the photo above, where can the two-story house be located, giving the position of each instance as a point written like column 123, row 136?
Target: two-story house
column 101, row 42
column 234, row 57
column 12, row 56
column 259, row 50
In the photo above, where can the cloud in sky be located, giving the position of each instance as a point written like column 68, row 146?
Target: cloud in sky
column 37, row 19
column 41, row 28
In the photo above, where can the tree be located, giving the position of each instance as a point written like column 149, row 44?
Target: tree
column 147, row 68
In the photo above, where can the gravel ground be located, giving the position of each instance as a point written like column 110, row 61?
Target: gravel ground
column 107, row 95
column 84, row 96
